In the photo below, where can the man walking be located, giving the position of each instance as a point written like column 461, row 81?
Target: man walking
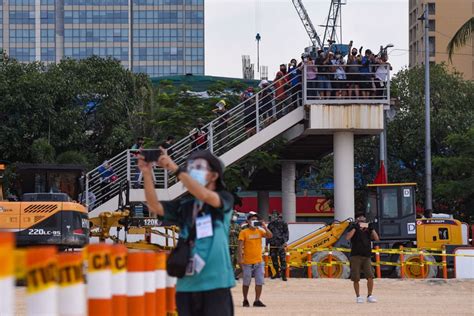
column 250, row 257
column 277, row 244
column 360, row 234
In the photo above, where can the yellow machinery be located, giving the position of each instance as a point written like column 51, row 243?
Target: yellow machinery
column 392, row 210
column 102, row 225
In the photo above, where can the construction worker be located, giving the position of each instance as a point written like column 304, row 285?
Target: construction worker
column 277, row 244
column 360, row 234
column 234, row 243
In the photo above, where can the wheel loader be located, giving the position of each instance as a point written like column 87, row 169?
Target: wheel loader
column 392, row 210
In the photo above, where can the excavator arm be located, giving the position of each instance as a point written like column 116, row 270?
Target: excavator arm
column 308, row 25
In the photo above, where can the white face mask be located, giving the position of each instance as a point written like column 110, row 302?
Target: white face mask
column 198, row 170
column 199, row 175
column 234, row 218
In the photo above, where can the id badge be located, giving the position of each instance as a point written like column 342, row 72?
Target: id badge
column 190, row 267
column 204, row 226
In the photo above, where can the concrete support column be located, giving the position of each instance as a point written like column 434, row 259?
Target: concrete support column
column 263, row 202
column 288, row 194
column 343, row 175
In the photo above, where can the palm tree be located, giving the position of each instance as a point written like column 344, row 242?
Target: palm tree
column 461, row 37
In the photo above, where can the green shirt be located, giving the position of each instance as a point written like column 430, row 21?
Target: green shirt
column 217, row 272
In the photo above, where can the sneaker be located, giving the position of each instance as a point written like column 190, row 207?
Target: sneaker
column 283, row 277
column 371, row 299
column 246, row 303
column 360, row 300
column 259, row 304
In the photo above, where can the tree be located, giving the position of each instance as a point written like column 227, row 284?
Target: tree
column 42, row 151
column 461, row 37
column 455, row 186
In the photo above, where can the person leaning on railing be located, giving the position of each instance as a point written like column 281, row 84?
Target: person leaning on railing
column 381, row 74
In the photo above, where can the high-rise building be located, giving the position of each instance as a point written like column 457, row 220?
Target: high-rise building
column 157, row 37
column 445, row 18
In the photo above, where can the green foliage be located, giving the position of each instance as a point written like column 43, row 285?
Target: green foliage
column 72, row 157
column 455, row 170
column 52, row 102
column 42, row 151
column 461, row 37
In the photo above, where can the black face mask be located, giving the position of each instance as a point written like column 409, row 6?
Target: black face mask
column 354, row 53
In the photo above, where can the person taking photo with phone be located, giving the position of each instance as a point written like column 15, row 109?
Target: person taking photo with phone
column 250, row 257
column 360, row 235
column 203, row 217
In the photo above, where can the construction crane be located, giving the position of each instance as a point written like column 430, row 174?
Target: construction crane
column 331, row 22
column 308, row 25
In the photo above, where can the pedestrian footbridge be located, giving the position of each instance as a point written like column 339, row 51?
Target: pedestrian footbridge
column 312, row 120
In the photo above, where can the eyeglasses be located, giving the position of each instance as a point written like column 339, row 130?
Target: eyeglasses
column 198, row 164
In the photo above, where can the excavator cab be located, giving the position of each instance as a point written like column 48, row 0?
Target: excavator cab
column 391, row 207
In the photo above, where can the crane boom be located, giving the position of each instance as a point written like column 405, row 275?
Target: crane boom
column 308, row 25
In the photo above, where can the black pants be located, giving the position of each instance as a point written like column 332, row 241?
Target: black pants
column 206, row 303
column 275, row 254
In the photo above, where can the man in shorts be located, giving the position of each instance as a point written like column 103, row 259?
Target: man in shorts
column 250, row 257
column 360, row 234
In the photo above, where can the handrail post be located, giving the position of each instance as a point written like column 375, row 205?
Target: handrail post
column 87, row 192
column 377, row 262
column 422, row 265
column 257, row 116
column 211, row 137
column 388, row 84
column 309, row 263
column 402, row 263
column 330, row 263
column 128, row 167
column 445, row 266
column 305, row 84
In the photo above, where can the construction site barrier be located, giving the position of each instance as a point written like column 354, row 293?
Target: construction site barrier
column 160, row 284
column 401, row 252
column 99, row 280
column 42, row 290
column 72, row 294
column 7, row 274
column 150, row 285
column 119, row 280
column 136, row 283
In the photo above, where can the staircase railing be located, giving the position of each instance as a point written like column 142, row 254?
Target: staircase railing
column 226, row 131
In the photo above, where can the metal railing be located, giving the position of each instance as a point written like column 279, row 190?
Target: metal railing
column 346, row 84
column 251, row 116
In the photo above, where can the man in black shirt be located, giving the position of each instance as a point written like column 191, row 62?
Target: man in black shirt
column 167, row 144
column 360, row 234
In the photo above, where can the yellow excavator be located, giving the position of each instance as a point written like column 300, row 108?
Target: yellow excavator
column 392, row 210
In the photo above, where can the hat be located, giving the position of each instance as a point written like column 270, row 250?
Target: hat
column 215, row 163
column 263, row 83
column 252, row 214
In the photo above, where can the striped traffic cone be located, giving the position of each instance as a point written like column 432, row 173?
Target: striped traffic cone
column 41, row 285
column 7, row 277
column 160, row 284
column 136, row 284
column 99, row 280
column 119, row 280
column 72, row 295
column 150, row 300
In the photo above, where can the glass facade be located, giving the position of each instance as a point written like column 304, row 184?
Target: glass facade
column 158, row 37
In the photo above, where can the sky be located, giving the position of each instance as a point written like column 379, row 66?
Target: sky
column 231, row 26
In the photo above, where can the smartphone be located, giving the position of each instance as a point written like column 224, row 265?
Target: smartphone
column 257, row 223
column 364, row 225
column 151, row 155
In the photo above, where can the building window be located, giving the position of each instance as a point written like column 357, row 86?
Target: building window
column 432, row 25
column 48, row 54
column 431, row 8
column 432, row 45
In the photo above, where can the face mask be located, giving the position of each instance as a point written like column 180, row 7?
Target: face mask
column 354, row 53
column 199, row 176
column 234, row 218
